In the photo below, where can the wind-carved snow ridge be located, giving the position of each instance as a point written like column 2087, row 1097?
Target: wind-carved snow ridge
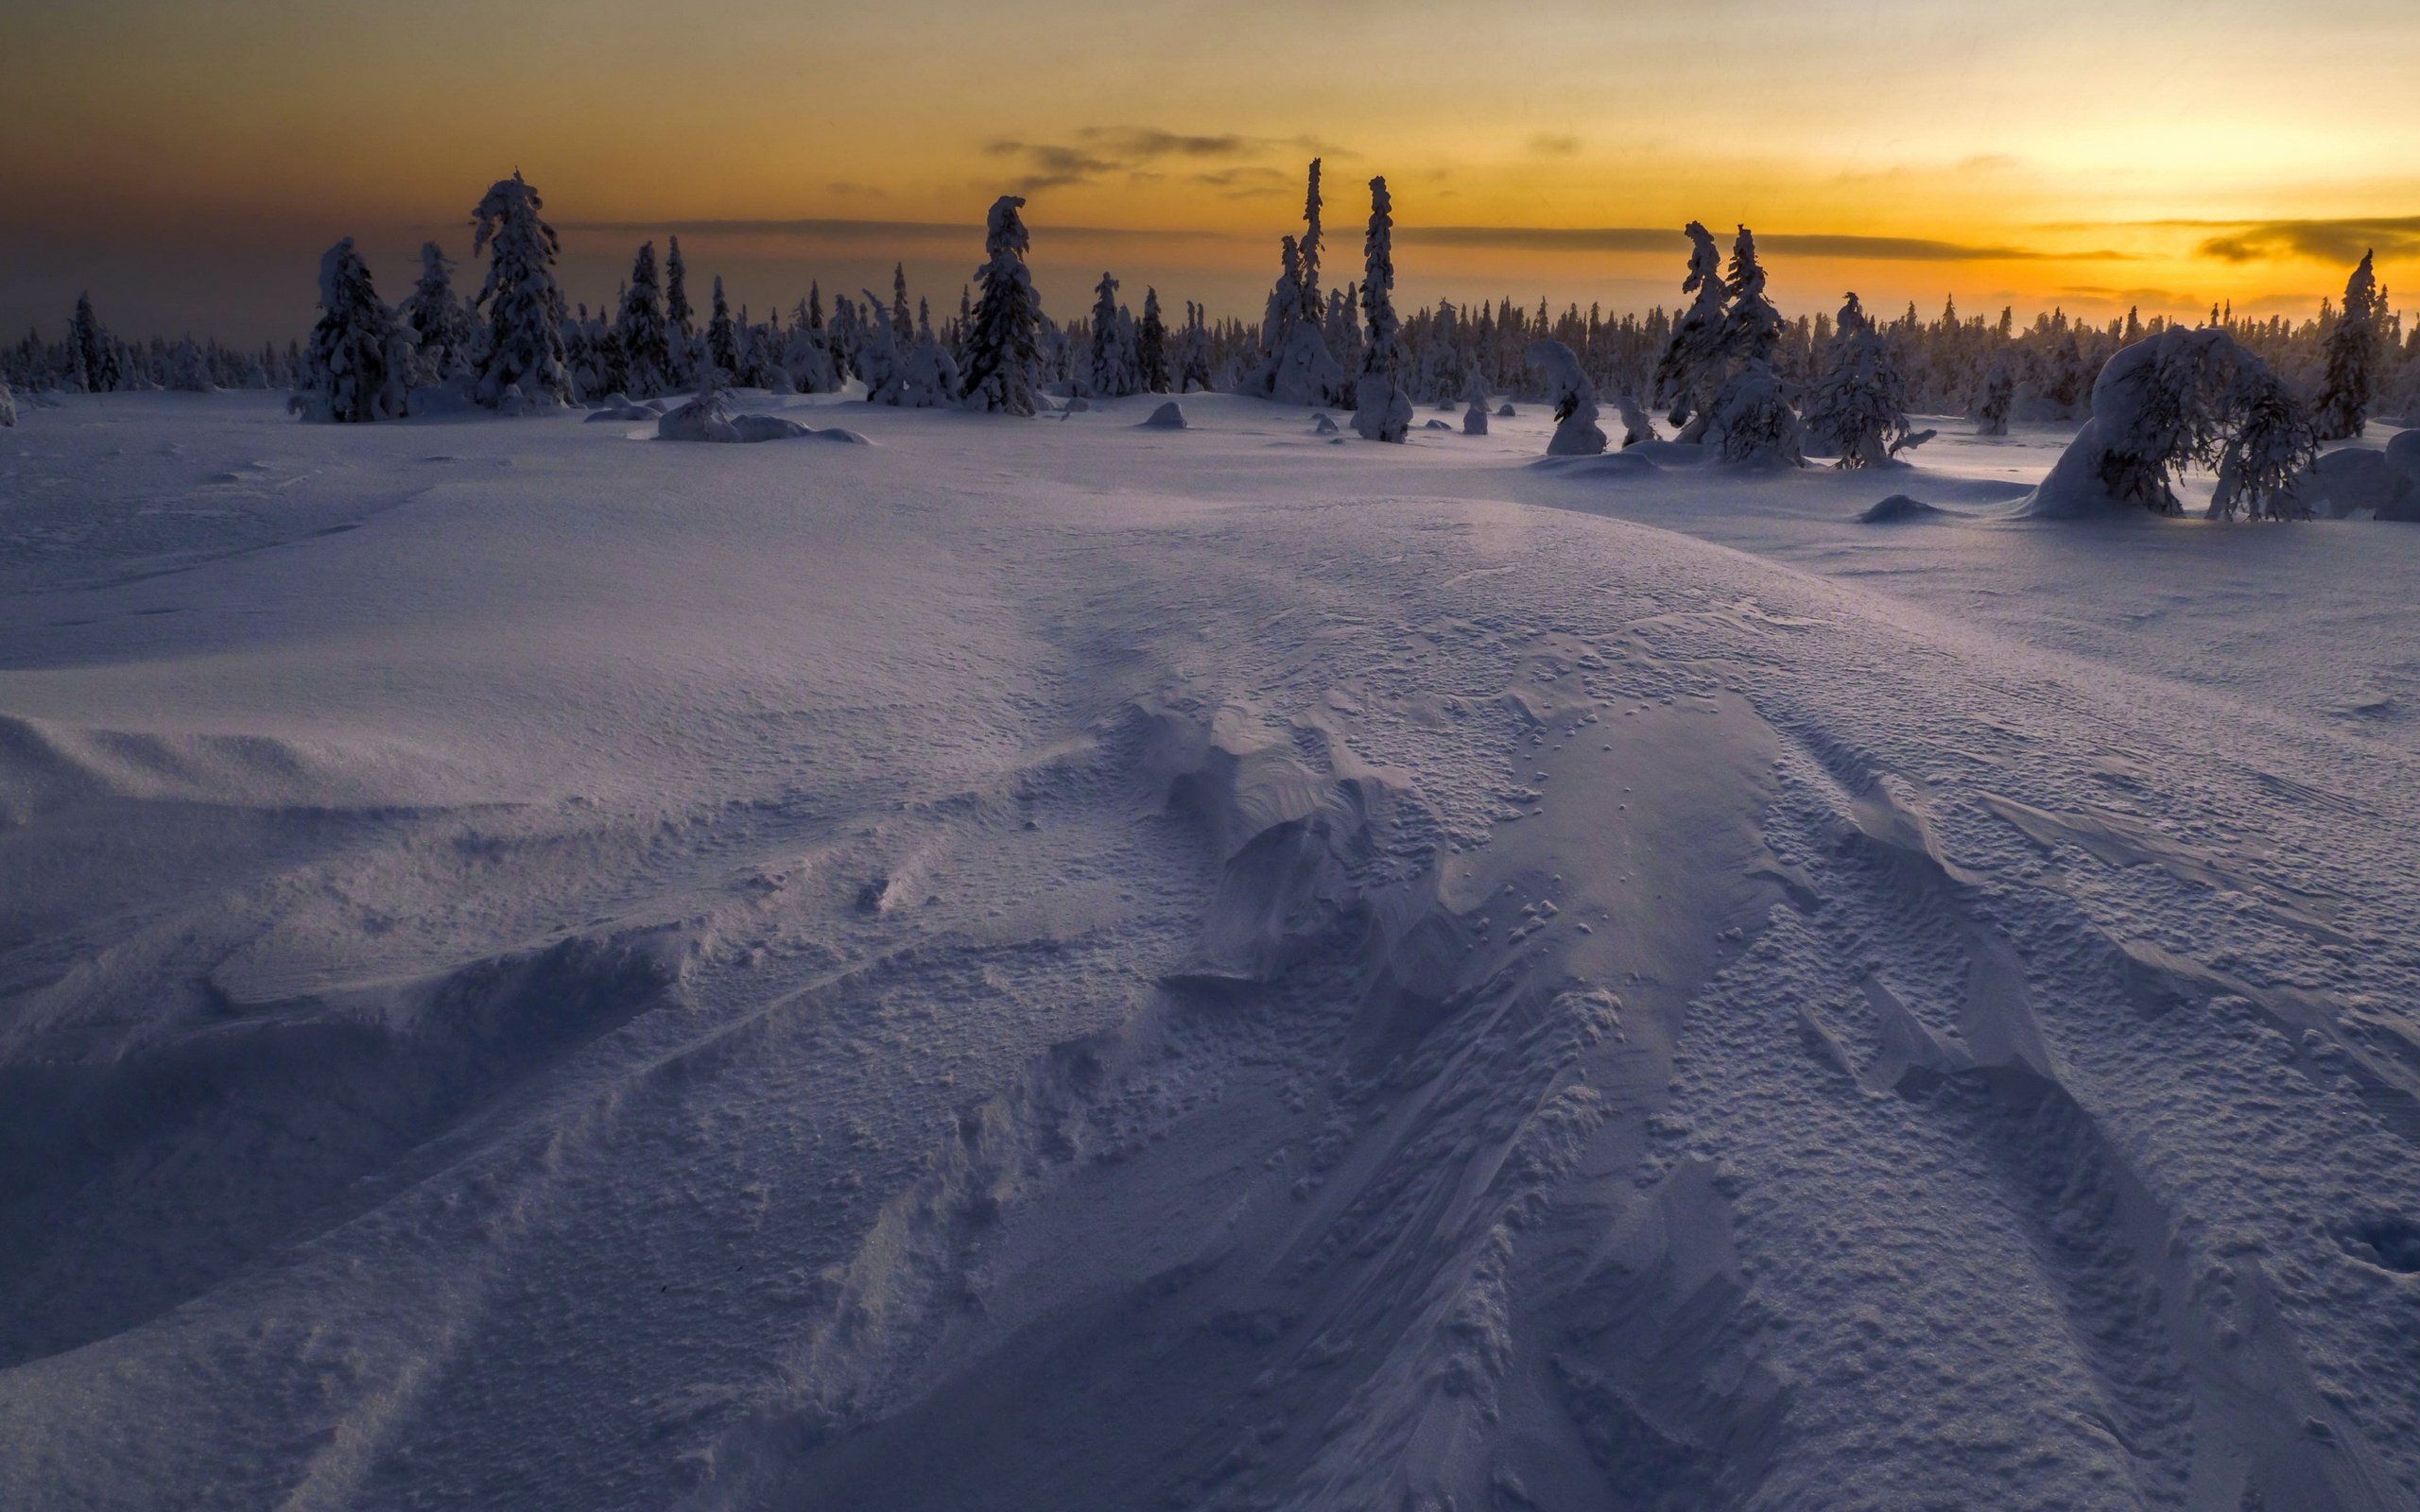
column 1436, row 1089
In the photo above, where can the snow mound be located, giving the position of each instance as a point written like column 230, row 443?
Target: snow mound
column 1599, row 465
column 1437, row 425
column 1505, row 411
column 1901, row 509
column 767, row 428
column 2350, row 479
column 708, row 417
column 1169, row 417
column 1323, row 424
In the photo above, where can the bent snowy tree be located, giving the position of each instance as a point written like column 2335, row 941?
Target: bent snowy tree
column 2177, row 399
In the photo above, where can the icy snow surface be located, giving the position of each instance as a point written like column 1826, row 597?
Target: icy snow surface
column 1083, row 967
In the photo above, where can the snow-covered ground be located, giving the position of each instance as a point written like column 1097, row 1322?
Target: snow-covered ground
column 1057, row 964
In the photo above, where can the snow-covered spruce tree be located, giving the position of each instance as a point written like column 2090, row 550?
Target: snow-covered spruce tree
column 903, row 320
column 524, row 306
column 1691, row 366
column 2176, row 399
column 90, row 363
column 1574, row 397
column 2352, row 358
column 7, row 404
column 1859, row 406
column 1382, row 411
column 360, row 362
column 1003, row 349
column 433, row 312
column 1109, row 374
column 680, row 336
column 926, row 378
column 647, row 343
column 722, row 342
column 1151, row 344
column 2000, row 393
column 188, row 371
column 1297, row 368
column 1193, row 361
column 1473, row 402
column 1751, row 328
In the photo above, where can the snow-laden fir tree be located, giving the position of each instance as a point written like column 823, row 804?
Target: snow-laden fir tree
column 1003, row 349
column 7, row 404
column 1473, row 402
column 927, row 378
column 680, row 336
column 2182, row 397
column 92, row 365
column 1297, row 368
column 360, row 362
column 1109, row 366
column 647, row 342
column 1999, row 394
column 722, row 343
column 1751, row 328
column 2352, row 350
column 1151, row 344
column 1314, row 303
column 1859, row 409
column 901, row 319
column 188, row 369
column 433, row 312
column 1691, row 366
column 1193, row 359
column 1382, row 411
column 524, row 306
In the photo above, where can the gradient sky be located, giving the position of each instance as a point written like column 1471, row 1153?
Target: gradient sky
column 187, row 160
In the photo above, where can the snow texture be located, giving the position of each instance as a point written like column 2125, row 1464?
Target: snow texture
column 1015, row 969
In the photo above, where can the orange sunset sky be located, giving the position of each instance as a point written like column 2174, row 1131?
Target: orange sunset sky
column 187, row 162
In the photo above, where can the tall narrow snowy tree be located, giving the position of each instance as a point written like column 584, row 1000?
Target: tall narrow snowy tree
column 1691, row 366
column 1193, row 364
column 1151, row 344
column 722, row 343
column 1105, row 371
column 91, row 365
column 440, row 327
column 1383, row 411
column 680, row 336
column 360, row 363
column 524, row 346
column 646, row 344
column 1314, row 305
column 901, row 319
column 2352, row 358
column 1003, row 349
column 1751, row 328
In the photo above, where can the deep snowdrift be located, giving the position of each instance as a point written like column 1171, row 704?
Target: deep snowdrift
column 1086, row 966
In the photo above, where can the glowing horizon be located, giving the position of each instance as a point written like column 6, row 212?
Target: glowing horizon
column 187, row 163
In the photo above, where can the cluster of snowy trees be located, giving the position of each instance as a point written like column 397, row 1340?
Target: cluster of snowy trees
column 1726, row 366
column 91, row 360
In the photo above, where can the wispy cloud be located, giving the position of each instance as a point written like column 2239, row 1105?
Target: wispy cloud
column 846, row 230
column 1662, row 238
column 1100, row 151
column 2324, row 241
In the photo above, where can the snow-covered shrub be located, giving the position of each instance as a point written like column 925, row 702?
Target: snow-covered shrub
column 1751, row 419
column 2178, row 399
column 1474, row 403
column 1859, row 411
column 525, row 343
column 1003, row 351
column 1574, row 397
column 188, row 373
column 1999, row 393
column 927, row 378
column 1383, row 410
column 359, row 367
